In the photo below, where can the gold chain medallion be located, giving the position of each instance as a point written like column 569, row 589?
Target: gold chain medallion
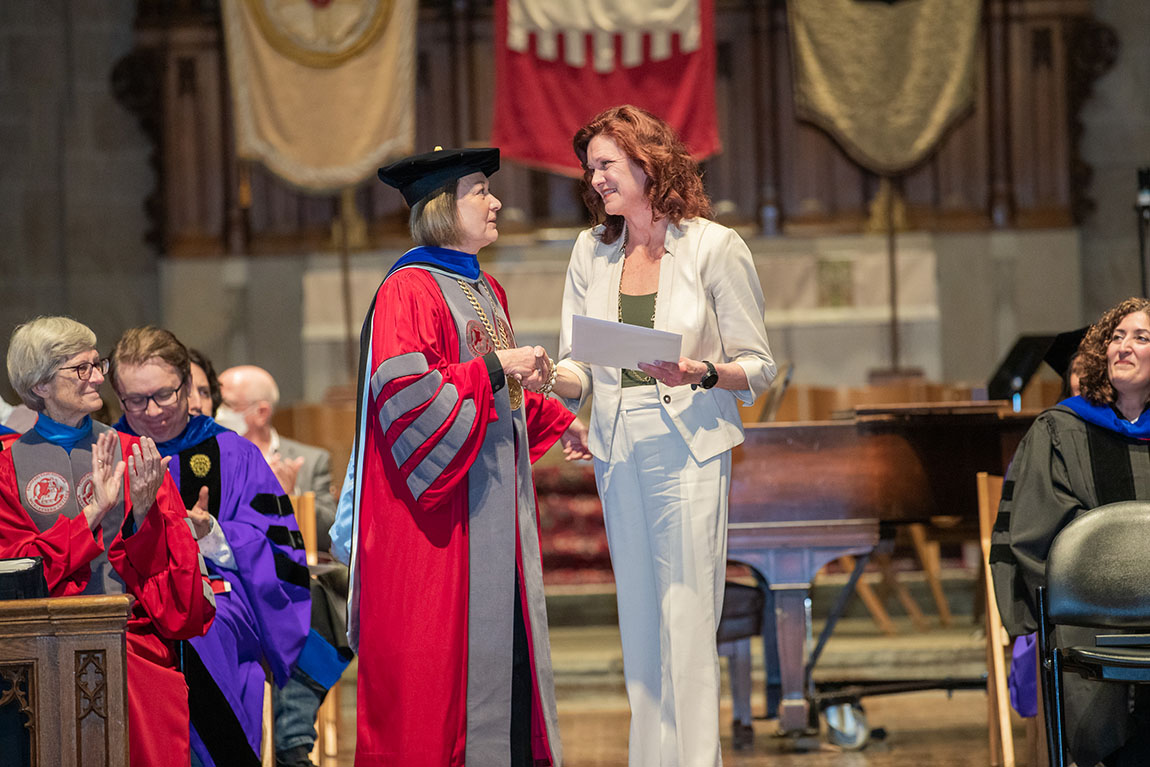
column 498, row 339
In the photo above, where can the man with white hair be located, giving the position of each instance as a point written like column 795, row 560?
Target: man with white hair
column 249, row 399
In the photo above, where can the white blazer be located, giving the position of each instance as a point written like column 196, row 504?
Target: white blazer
column 709, row 292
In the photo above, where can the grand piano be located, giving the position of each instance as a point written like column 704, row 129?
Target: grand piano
column 804, row 494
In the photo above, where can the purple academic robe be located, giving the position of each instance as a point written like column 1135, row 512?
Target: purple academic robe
column 263, row 606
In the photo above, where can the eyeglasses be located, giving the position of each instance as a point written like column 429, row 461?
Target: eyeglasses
column 84, row 369
column 138, row 403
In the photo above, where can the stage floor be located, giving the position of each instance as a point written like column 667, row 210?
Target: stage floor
column 930, row 727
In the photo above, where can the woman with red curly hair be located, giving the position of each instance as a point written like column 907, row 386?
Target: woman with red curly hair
column 1085, row 452
column 661, row 435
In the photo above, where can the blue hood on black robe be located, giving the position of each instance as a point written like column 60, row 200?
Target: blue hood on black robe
column 1109, row 418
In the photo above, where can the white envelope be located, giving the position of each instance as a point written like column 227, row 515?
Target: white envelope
column 619, row 345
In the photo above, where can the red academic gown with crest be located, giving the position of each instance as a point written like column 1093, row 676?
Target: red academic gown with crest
column 414, row 551
column 161, row 567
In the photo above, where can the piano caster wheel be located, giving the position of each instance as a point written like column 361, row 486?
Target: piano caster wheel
column 846, row 726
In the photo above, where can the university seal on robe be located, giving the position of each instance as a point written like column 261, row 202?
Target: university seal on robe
column 47, row 492
column 478, row 342
column 85, row 490
column 200, row 465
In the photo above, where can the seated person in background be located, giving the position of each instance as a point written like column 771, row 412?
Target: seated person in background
column 250, row 396
column 7, row 433
column 16, row 418
column 5, row 411
column 204, row 398
column 1085, row 452
column 1023, row 678
column 106, row 518
column 247, row 533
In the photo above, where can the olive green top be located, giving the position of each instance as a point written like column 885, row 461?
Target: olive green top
column 637, row 310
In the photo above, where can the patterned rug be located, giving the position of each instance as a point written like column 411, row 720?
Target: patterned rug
column 571, row 526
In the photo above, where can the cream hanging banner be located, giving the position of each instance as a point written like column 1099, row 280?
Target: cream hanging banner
column 323, row 90
column 885, row 79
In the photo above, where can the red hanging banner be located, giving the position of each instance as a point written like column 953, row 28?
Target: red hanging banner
column 561, row 62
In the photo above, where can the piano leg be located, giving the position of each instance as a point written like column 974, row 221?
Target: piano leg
column 789, row 561
column 791, row 630
column 770, row 650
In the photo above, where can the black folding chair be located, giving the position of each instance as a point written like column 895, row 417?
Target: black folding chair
column 1097, row 576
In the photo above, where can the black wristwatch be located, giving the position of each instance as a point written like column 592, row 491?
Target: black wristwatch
column 711, row 378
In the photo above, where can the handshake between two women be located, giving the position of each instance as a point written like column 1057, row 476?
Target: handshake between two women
column 530, row 366
column 536, row 371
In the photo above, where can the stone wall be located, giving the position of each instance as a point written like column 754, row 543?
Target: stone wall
column 73, row 171
column 1116, row 143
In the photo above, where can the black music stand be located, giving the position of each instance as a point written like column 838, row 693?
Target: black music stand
column 1018, row 367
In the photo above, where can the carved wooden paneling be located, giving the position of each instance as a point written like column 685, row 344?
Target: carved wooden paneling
column 1011, row 161
column 1039, row 141
column 91, row 689
column 1092, row 48
column 76, row 683
column 195, row 153
column 18, row 699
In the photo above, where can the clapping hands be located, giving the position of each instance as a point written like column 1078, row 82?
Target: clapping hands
column 107, row 478
column 200, row 516
column 146, row 470
column 286, row 471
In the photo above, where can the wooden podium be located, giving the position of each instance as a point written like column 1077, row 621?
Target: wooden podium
column 62, row 666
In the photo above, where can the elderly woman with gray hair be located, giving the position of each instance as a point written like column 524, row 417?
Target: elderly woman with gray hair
column 100, row 510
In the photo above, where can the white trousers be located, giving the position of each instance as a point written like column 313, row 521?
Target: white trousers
column 666, row 520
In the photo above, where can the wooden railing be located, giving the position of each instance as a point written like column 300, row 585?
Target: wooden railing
column 62, row 663
column 821, row 403
column 1012, row 162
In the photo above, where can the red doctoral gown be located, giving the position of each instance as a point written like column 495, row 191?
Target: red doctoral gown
column 160, row 566
column 415, row 528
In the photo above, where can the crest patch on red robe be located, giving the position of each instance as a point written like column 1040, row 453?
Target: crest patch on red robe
column 86, row 490
column 47, row 492
column 478, row 342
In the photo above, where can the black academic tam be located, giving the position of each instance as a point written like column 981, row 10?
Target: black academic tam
column 421, row 175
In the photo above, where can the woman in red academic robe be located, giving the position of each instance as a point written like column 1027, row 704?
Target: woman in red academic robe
column 104, row 515
column 447, row 591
